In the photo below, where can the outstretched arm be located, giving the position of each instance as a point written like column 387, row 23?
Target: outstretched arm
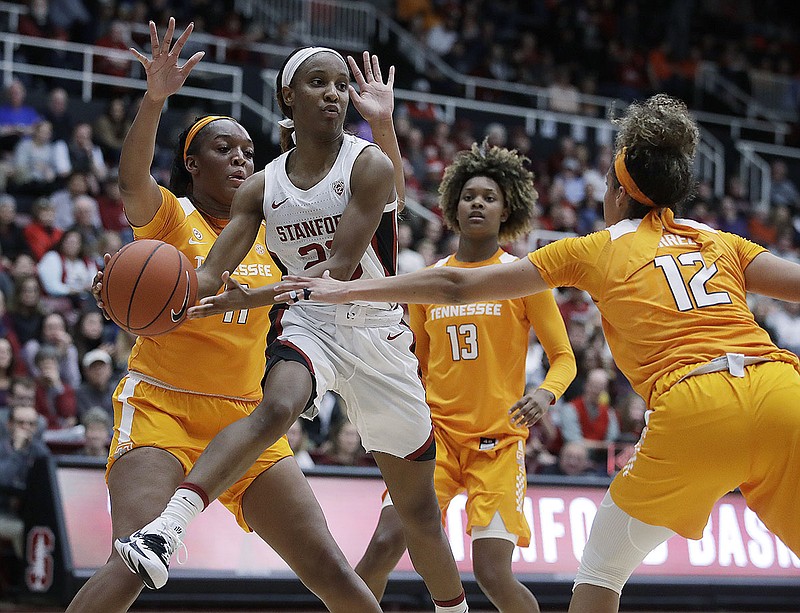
column 375, row 101
column 772, row 276
column 236, row 239
column 139, row 190
column 444, row 285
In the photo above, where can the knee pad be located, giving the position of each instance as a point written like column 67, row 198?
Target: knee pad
column 617, row 544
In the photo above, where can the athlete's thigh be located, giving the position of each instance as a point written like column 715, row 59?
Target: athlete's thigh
column 772, row 488
column 689, row 456
column 496, row 483
column 281, row 508
column 447, row 477
column 140, row 484
column 383, row 393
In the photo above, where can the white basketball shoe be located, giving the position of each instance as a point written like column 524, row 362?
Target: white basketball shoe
column 147, row 552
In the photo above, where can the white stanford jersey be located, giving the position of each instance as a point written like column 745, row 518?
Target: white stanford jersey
column 301, row 223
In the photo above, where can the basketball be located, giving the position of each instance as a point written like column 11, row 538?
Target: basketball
column 147, row 287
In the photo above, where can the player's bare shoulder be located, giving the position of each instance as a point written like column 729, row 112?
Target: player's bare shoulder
column 250, row 194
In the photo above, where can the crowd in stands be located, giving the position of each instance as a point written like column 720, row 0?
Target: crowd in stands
column 60, row 206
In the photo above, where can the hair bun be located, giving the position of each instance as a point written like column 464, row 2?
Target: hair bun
column 661, row 121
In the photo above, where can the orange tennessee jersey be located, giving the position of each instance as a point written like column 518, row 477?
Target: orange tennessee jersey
column 221, row 355
column 670, row 299
column 472, row 358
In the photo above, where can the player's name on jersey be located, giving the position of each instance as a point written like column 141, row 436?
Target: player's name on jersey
column 673, row 240
column 319, row 226
column 245, row 270
column 462, row 310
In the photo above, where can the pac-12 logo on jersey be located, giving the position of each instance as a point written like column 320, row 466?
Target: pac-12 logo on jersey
column 338, row 187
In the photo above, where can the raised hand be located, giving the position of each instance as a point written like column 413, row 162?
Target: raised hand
column 374, row 99
column 164, row 76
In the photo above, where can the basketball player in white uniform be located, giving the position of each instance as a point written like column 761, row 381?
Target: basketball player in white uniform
column 330, row 207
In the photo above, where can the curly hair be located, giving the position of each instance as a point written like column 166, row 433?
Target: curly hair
column 661, row 139
column 505, row 167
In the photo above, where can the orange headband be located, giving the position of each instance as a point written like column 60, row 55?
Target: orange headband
column 199, row 125
column 626, row 181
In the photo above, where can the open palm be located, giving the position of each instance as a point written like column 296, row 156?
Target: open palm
column 374, row 99
column 164, row 76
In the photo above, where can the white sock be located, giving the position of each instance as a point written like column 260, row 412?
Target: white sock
column 460, row 607
column 183, row 507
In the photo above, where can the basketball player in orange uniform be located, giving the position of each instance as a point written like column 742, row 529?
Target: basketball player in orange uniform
column 472, row 359
column 722, row 398
column 176, row 397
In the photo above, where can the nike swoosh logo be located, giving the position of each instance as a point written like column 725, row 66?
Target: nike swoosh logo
column 391, row 337
column 194, row 242
column 275, row 205
column 176, row 317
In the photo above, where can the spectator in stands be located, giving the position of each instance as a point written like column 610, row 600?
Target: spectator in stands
column 81, row 154
column 67, row 272
column 16, row 118
column 58, row 342
column 109, row 242
column 590, row 417
column 27, row 315
column 408, row 260
column 12, row 239
column 98, row 384
column 573, row 461
column 87, row 224
column 92, row 332
column 632, row 418
column 41, row 234
column 55, row 398
column 9, row 333
column 300, row 444
column 118, row 37
column 38, row 22
column 20, row 447
column 420, row 111
column 729, row 219
column 563, row 96
column 97, row 432
column 59, row 115
column 110, row 129
column 6, row 369
column 783, row 319
column 112, row 211
column 783, row 191
column 33, row 163
column 64, row 200
column 239, row 35
column 343, row 448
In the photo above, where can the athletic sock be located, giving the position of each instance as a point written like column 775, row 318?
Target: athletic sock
column 186, row 503
column 457, row 605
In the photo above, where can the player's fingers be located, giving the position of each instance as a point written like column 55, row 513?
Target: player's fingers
column 176, row 49
column 357, row 75
column 168, row 35
column 390, row 80
column 376, row 68
column 367, row 67
column 192, row 62
column 142, row 59
column 154, row 46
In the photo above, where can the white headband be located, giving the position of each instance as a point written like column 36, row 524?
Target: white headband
column 294, row 63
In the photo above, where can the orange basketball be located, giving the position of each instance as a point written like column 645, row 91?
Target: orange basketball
column 148, row 286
